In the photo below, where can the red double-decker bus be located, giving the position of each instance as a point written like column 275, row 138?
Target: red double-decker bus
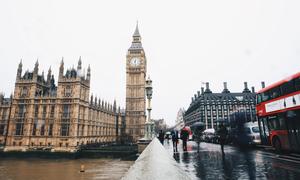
column 278, row 111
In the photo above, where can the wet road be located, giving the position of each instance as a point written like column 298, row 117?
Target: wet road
column 237, row 163
column 59, row 169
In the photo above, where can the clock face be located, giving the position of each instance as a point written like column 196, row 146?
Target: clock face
column 135, row 61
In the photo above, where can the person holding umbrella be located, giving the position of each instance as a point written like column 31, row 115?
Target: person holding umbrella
column 184, row 135
column 197, row 129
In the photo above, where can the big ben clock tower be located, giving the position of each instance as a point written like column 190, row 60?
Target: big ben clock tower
column 136, row 67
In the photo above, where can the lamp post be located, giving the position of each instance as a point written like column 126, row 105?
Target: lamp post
column 149, row 125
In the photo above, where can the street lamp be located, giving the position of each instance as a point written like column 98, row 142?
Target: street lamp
column 149, row 125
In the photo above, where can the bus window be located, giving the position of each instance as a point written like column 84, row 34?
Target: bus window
column 281, row 122
column 275, row 92
column 265, row 96
column 277, row 122
column 258, row 98
column 273, row 123
column 297, row 84
column 287, row 87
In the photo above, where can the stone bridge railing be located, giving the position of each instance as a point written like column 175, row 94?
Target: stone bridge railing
column 155, row 163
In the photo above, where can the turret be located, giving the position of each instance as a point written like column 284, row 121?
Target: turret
column 79, row 64
column 61, row 68
column 92, row 99
column 246, row 90
column 49, row 76
column 96, row 101
column 88, row 75
column 207, row 90
column 263, row 85
column 225, row 90
column 36, row 68
column 19, row 71
column 102, row 105
column 252, row 89
column 79, row 68
column 115, row 106
column 52, row 82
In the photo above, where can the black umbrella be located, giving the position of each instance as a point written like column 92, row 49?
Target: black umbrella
column 197, row 124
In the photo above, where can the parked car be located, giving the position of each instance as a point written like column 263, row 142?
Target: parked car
column 252, row 131
column 247, row 134
column 209, row 135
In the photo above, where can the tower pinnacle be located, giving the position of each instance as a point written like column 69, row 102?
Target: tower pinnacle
column 136, row 32
column 136, row 43
column 79, row 63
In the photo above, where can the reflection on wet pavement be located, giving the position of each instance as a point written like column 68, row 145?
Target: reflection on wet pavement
column 237, row 163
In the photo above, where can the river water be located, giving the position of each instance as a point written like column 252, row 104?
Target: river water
column 62, row 169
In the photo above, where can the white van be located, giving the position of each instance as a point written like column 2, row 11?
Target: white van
column 252, row 131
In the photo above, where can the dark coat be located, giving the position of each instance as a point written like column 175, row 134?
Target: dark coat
column 184, row 134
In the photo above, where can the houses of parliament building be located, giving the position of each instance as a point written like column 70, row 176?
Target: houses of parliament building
column 58, row 117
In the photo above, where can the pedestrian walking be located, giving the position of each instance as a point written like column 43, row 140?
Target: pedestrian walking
column 222, row 133
column 175, row 140
column 197, row 134
column 184, row 135
column 161, row 137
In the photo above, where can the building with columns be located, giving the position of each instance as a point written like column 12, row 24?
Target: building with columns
column 136, row 69
column 56, row 117
column 208, row 107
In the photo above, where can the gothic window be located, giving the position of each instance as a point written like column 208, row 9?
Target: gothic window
column 38, row 92
column 65, row 122
column 44, row 111
column 34, row 128
column 24, row 92
column 22, row 110
column 52, row 111
column 68, row 91
column 36, row 111
column 42, row 128
column 4, row 114
column 50, row 129
column 66, row 110
column 2, row 128
column 19, row 128
column 65, row 125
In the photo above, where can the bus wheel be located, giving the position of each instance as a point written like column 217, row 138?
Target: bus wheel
column 277, row 145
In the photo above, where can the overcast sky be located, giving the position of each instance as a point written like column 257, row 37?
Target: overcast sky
column 186, row 43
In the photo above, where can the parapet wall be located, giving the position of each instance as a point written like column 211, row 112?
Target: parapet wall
column 155, row 163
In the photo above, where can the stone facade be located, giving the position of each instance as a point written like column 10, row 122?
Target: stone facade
column 63, row 117
column 136, row 68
